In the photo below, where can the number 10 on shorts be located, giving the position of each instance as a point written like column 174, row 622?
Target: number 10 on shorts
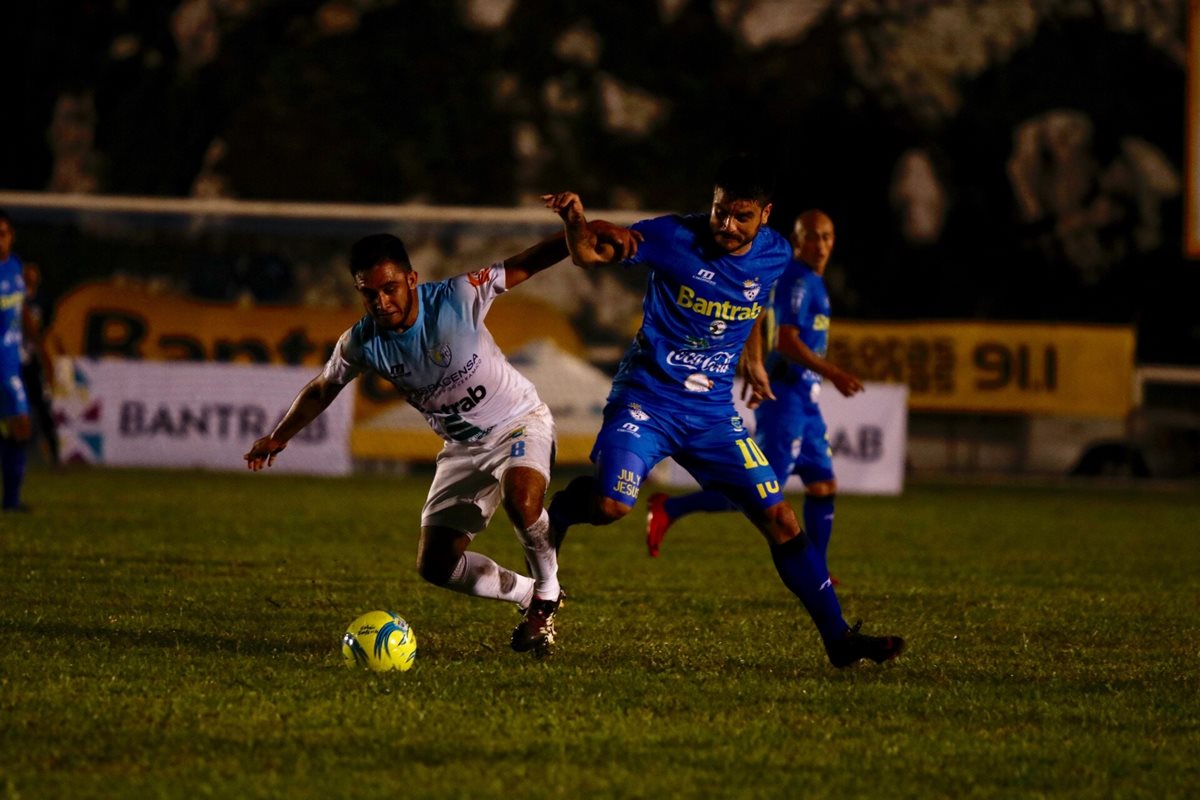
column 753, row 458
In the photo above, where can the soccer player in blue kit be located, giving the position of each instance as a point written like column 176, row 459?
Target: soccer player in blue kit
column 673, row 391
column 15, row 424
column 789, row 430
column 429, row 340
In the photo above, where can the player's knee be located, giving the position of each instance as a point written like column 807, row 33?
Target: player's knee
column 437, row 556
column 523, row 508
column 608, row 510
column 779, row 524
column 822, row 488
column 434, row 569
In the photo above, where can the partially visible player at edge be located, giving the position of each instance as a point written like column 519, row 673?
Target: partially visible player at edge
column 673, row 392
column 789, row 430
column 15, row 424
column 429, row 340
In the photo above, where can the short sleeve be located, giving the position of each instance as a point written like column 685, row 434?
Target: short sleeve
column 345, row 362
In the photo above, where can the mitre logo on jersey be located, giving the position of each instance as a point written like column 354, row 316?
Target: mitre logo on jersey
column 720, row 309
column 751, row 288
column 399, row 371
column 706, row 275
column 479, row 277
column 441, row 354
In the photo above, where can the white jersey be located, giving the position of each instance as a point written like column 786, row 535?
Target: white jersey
column 447, row 364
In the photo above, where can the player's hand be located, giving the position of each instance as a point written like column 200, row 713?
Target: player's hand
column 263, row 453
column 847, row 384
column 623, row 240
column 757, row 386
column 567, row 205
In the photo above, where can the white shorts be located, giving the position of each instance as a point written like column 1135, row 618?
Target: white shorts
column 466, row 484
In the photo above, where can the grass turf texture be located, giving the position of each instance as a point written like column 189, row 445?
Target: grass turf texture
column 176, row 635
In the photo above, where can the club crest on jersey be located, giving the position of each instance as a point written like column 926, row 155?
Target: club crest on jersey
column 751, row 288
column 479, row 277
column 637, row 413
column 441, row 354
column 736, row 422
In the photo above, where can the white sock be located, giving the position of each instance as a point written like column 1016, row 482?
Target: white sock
column 477, row 575
column 539, row 553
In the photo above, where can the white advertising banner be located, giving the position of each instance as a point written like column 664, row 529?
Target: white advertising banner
column 868, row 434
column 192, row 414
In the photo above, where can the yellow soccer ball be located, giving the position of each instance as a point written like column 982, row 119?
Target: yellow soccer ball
column 380, row 641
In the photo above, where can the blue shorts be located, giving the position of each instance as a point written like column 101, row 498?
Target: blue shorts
column 792, row 434
column 717, row 450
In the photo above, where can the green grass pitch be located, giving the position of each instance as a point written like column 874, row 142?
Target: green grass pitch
column 175, row 635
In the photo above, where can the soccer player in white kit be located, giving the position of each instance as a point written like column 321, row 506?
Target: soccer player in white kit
column 430, row 342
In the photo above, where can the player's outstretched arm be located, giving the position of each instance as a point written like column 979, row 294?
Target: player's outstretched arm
column 794, row 349
column 314, row 398
column 591, row 244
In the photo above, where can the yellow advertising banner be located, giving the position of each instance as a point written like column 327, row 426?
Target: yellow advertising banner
column 1069, row 370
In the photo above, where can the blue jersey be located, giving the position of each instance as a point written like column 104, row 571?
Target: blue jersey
column 699, row 308
column 12, row 298
column 799, row 299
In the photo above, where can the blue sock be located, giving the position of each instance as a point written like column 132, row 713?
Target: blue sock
column 572, row 505
column 677, row 507
column 818, row 521
column 12, row 464
column 803, row 572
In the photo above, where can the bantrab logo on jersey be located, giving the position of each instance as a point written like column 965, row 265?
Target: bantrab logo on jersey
column 718, row 309
column 441, row 354
column 751, row 288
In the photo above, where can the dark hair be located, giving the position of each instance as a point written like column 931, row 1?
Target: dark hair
column 4, row 216
column 377, row 248
column 745, row 177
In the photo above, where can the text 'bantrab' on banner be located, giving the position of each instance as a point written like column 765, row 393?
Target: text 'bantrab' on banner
column 192, row 415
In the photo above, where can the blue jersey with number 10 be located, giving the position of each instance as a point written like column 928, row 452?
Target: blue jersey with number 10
column 700, row 305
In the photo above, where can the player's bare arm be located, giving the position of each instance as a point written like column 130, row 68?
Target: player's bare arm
column 794, row 349
column 548, row 252
column 757, row 386
column 591, row 244
column 313, row 399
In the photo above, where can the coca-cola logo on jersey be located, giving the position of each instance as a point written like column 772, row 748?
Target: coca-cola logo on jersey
column 715, row 363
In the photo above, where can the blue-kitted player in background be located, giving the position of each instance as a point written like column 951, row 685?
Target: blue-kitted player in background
column 15, row 425
column 709, row 277
column 789, row 430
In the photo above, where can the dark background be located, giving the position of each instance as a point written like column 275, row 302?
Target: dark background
column 388, row 102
